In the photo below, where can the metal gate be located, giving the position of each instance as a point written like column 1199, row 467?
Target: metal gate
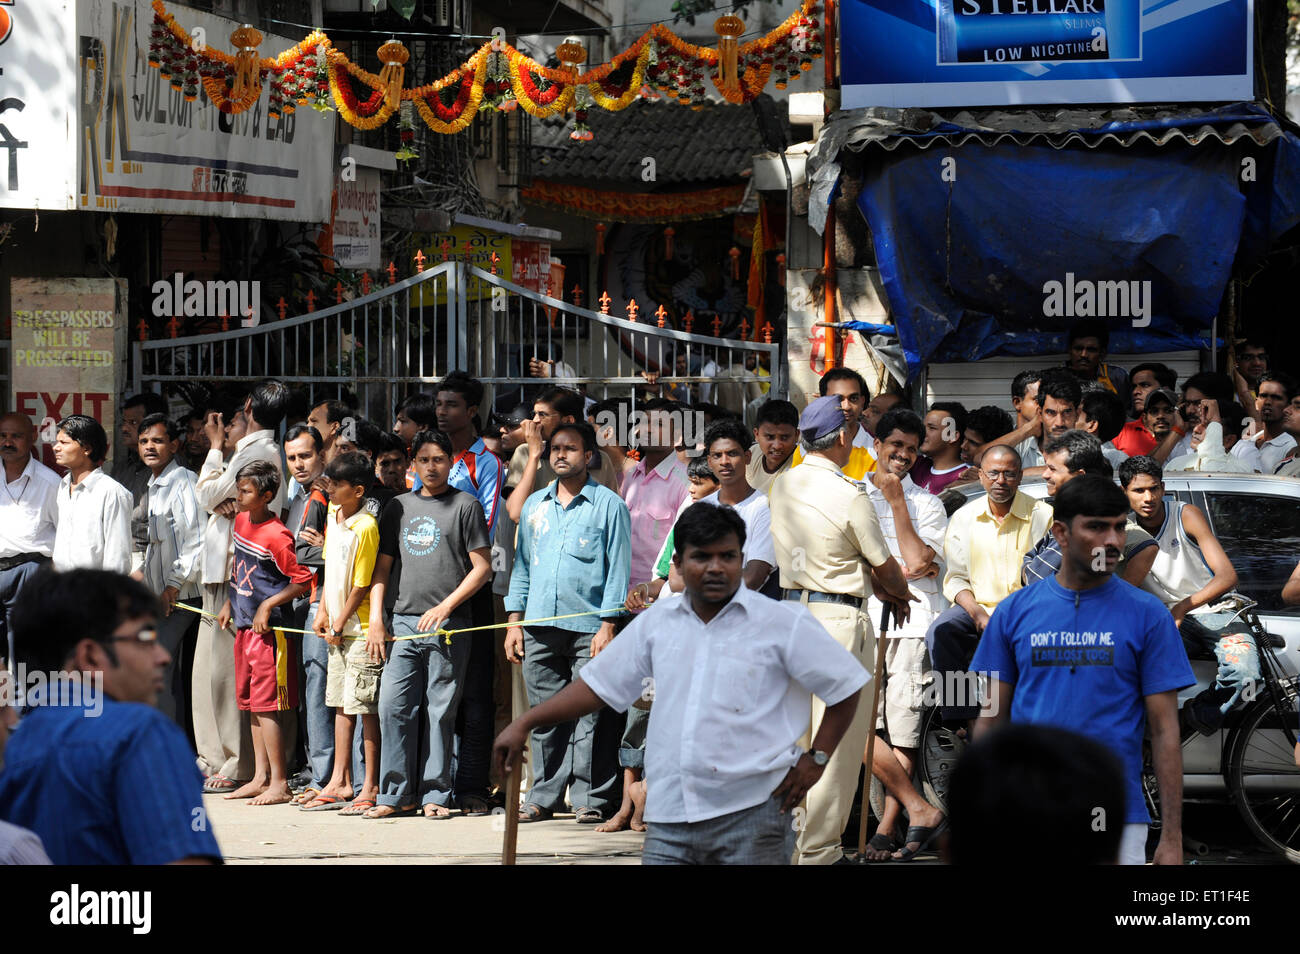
column 408, row 335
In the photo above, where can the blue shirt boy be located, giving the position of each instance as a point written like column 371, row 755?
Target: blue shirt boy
column 1085, row 661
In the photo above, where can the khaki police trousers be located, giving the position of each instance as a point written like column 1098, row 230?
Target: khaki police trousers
column 221, row 732
column 829, row 802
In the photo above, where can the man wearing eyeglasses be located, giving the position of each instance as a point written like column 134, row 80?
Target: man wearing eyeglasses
column 986, row 543
column 94, row 769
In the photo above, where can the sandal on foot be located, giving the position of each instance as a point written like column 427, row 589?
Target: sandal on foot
column 407, row 812
column 882, row 842
column 438, row 813
column 306, row 796
column 588, row 816
column 323, row 803
column 925, row 837
column 475, row 805
column 219, row 785
column 534, row 813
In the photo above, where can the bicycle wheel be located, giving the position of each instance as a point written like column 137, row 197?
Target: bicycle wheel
column 1263, row 777
column 940, row 749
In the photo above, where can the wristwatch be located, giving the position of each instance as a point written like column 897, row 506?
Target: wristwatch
column 338, row 634
column 821, row 758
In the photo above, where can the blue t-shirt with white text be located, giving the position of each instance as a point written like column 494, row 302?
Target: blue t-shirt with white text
column 1087, row 666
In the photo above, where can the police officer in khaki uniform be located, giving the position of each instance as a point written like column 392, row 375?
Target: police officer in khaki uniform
column 828, row 540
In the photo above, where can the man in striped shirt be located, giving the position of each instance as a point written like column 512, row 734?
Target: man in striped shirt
column 173, row 555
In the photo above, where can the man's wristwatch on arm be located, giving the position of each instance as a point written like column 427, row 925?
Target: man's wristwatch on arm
column 819, row 757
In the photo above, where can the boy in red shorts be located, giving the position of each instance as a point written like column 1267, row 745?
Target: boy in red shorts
column 265, row 576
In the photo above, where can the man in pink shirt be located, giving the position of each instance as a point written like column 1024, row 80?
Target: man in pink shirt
column 653, row 491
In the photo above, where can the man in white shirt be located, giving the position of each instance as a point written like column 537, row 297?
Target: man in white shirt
column 730, row 671
column 913, row 522
column 221, row 733
column 173, row 551
column 94, row 510
column 1275, row 390
column 28, row 511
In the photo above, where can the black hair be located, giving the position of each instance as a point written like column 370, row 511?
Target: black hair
column 194, row 414
column 270, row 399
column 776, row 411
column 153, row 420
column 388, row 441
column 611, row 405
column 1065, row 787
column 471, row 389
column 702, row 523
column 432, row 436
column 1245, row 343
column 844, row 374
column 152, row 402
column 264, row 476
column 1082, row 450
column 300, row 430
column 336, row 412
column 989, row 422
column 1107, row 409
column 419, row 407
column 562, row 401
column 1089, row 328
column 369, row 436
column 1287, row 382
column 902, row 419
column 1021, row 382
column 1165, row 376
column 55, row 611
column 700, row 470
column 352, row 468
column 1142, row 464
column 954, row 410
column 1215, row 385
column 1232, row 415
column 728, row 429
column 586, row 433
column 715, row 411
column 1089, row 495
column 662, row 404
column 87, row 432
column 1061, row 385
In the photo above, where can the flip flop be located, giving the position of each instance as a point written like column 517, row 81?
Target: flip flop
column 926, row 837
column 533, row 813
column 359, row 806
column 219, row 785
column 436, row 815
column 397, row 813
column 327, row 803
column 588, row 816
column 306, row 796
column 882, row 842
column 475, row 805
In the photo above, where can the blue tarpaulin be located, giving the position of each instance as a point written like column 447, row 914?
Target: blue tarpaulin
column 966, row 263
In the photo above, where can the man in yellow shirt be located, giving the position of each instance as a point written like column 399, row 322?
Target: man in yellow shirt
column 849, row 386
column 985, row 546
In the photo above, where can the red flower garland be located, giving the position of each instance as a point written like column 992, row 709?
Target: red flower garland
column 541, row 98
column 451, row 113
column 367, row 108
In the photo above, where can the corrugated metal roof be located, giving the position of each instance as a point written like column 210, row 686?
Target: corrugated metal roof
column 713, row 143
column 1091, row 127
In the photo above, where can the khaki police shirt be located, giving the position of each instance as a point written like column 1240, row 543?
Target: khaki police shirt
column 825, row 529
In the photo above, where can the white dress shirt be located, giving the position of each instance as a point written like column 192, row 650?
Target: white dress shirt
column 94, row 524
column 217, row 479
column 1247, row 452
column 930, row 520
column 1272, row 452
column 29, row 511
column 175, row 550
column 730, row 697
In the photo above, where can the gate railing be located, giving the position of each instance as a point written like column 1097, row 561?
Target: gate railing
column 408, row 335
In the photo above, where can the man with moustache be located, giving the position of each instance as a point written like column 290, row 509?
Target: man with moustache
column 1134, row 439
column 1058, row 400
column 28, row 513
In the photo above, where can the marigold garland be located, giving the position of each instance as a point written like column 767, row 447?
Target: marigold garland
column 314, row 73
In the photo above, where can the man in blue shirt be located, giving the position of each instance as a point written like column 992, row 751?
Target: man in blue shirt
column 1082, row 650
column 573, row 555
column 94, row 769
column 478, row 472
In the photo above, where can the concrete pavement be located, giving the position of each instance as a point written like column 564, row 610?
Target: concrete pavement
column 281, row 834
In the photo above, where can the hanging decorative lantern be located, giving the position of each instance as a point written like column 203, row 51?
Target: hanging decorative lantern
column 735, row 263
column 729, row 28
column 571, row 53
column 394, row 56
column 245, row 40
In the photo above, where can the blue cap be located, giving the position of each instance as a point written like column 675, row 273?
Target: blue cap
column 823, row 416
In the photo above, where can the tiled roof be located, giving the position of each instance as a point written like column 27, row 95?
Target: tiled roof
column 715, row 143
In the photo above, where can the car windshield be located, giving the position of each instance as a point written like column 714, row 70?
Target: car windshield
column 1261, row 535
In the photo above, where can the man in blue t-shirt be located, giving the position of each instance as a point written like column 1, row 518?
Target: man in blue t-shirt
column 1085, row 651
column 94, row 768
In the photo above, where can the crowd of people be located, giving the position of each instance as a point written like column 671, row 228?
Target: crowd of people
column 341, row 615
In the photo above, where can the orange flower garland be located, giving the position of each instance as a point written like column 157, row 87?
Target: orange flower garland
column 527, row 93
column 472, row 77
column 633, row 90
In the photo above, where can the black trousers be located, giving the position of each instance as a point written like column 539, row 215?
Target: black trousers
column 476, row 719
column 952, row 640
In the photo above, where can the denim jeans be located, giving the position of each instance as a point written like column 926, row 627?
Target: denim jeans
column 418, row 699
column 752, row 836
column 582, row 755
column 631, row 750
column 477, row 716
